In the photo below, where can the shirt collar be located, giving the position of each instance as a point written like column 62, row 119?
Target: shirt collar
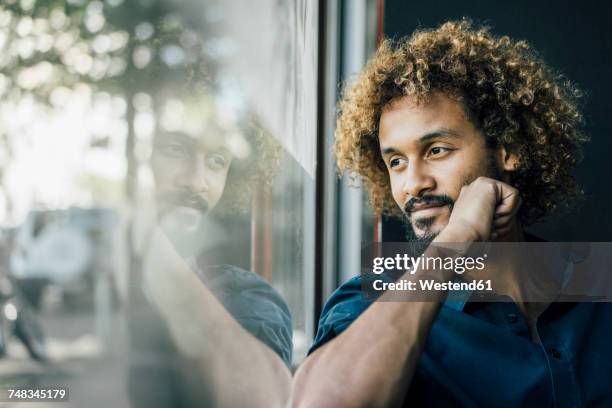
column 456, row 299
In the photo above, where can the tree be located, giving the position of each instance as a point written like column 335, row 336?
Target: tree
column 126, row 48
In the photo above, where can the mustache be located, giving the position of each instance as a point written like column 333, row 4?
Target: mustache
column 436, row 200
column 185, row 199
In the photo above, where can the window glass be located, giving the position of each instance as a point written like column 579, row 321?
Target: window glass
column 156, row 198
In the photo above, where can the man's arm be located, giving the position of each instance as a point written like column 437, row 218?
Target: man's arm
column 240, row 370
column 372, row 362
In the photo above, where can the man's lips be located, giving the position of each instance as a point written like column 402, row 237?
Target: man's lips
column 427, row 210
column 170, row 202
column 427, row 206
column 421, row 207
column 198, row 206
column 182, row 217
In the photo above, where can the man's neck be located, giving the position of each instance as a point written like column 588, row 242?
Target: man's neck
column 511, row 281
column 515, row 234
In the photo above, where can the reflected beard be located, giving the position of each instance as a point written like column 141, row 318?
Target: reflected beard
column 182, row 208
column 182, row 219
column 183, row 226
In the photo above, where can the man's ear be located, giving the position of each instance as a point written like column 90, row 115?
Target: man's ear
column 509, row 161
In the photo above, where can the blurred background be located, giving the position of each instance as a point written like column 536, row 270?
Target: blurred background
column 85, row 87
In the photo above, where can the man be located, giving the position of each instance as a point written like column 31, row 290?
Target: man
column 204, row 334
column 470, row 137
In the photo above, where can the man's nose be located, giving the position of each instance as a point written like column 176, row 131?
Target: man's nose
column 195, row 175
column 417, row 180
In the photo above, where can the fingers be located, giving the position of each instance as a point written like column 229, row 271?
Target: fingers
column 508, row 201
column 488, row 206
column 506, row 211
column 500, row 222
column 500, row 232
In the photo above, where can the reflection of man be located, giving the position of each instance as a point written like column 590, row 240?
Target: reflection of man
column 220, row 336
column 188, row 181
column 450, row 128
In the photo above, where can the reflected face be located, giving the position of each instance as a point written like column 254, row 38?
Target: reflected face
column 431, row 150
column 189, row 177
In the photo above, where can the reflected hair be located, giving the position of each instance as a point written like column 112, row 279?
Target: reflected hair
column 247, row 174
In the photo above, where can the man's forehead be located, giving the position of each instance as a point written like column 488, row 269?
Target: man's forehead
column 197, row 142
column 407, row 119
column 434, row 107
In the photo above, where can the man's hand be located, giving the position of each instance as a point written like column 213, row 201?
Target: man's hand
column 485, row 209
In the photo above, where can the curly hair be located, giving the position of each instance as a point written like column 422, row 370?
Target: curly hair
column 247, row 174
column 260, row 151
column 506, row 90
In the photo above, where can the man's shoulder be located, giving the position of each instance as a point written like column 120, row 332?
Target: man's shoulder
column 343, row 307
column 238, row 286
column 254, row 303
column 349, row 295
column 233, row 277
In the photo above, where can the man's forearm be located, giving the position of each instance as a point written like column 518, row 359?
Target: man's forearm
column 372, row 362
column 240, row 369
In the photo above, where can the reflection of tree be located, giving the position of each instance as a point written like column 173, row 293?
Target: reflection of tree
column 132, row 49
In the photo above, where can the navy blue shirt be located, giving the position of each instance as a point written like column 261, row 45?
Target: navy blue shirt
column 160, row 377
column 481, row 354
column 254, row 303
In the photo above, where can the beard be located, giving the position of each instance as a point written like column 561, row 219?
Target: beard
column 182, row 209
column 424, row 224
column 181, row 216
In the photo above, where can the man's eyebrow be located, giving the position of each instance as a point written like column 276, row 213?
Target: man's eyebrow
column 222, row 150
column 439, row 133
column 177, row 138
column 194, row 143
column 448, row 133
column 388, row 150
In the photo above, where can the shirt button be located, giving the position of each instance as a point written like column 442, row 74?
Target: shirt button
column 512, row 318
column 556, row 354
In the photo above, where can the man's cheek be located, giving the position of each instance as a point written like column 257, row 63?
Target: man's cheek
column 215, row 192
column 397, row 195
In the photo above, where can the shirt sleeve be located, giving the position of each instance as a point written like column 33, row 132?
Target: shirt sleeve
column 344, row 306
column 257, row 307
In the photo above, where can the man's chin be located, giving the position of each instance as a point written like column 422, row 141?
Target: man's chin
column 182, row 220
column 425, row 238
column 426, row 233
column 183, row 227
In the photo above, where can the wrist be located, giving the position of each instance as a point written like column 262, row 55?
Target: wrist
column 457, row 232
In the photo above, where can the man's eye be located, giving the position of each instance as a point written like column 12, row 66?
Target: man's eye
column 174, row 150
column 216, row 161
column 395, row 162
column 438, row 150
